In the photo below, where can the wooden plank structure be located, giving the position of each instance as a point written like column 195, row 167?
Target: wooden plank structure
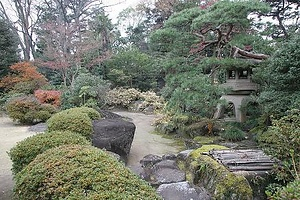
column 253, row 164
column 249, row 160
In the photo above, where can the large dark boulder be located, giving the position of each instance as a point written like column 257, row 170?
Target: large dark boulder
column 114, row 135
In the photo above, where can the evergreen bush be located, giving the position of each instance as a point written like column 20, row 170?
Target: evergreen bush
column 27, row 110
column 91, row 112
column 26, row 150
column 75, row 120
column 79, row 172
column 282, row 141
column 88, row 90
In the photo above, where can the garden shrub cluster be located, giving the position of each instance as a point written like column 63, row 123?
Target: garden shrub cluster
column 24, row 78
column 26, row 150
column 186, row 125
column 79, row 172
column 122, row 97
column 125, row 98
column 282, row 141
column 62, row 164
column 48, row 96
column 26, row 109
column 151, row 99
column 78, row 120
column 88, row 90
column 290, row 191
column 172, row 123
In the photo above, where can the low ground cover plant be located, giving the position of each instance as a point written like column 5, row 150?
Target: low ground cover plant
column 26, row 150
column 79, row 172
column 233, row 133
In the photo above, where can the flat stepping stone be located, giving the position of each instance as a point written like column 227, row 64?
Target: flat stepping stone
column 180, row 191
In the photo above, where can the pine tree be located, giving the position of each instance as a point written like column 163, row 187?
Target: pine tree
column 8, row 48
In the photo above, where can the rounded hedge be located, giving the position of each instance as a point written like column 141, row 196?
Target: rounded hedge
column 27, row 110
column 26, row 150
column 74, row 120
column 79, row 172
column 91, row 112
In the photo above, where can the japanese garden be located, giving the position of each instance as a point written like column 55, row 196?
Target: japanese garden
column 218, row 78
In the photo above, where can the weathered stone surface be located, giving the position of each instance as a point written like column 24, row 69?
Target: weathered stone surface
column 109, row 115
column 171, row 164
column 166, row 175
column 183, row 155
column 150, row 160
column 114, row 135
column 169, row 157
column 38, row 128
column 181, row 191
column 165, row 171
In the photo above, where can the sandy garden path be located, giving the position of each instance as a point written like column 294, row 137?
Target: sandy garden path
column 10, row 134
column 144, row 143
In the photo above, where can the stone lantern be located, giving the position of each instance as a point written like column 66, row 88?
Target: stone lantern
column 240, row 85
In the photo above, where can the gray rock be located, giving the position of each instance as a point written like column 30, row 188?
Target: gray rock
column 180, row 191
column 184, row 154
column 166, row 175
column 169, row 157
column 166, row 164
column 163, row 172
column 149, row 110
column 150, row 160
column 114, row 135
column 38, row 128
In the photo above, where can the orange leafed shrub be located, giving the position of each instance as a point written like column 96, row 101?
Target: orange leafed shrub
column 22, row 72
column 48, row 96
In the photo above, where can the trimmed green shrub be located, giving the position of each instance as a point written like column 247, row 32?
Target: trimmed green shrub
column 25, row 151
column 79, row 172
column 291, row 191
column 73, row 120
column 27, row 110
column 92, row 113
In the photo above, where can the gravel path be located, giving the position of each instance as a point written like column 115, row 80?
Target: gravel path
column 10, row 134
column 143, row 144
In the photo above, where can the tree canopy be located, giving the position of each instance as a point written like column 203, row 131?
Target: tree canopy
column 9, row 48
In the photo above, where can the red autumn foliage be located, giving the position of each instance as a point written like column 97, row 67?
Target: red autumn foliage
column 48, row 96
column 22, row 72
